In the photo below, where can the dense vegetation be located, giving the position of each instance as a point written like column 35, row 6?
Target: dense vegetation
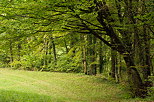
column 113, row 38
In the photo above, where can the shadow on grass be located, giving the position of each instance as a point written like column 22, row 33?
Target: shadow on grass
column 15, row 96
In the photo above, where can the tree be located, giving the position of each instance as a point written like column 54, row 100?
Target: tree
column 116, row 23
column 120, row 25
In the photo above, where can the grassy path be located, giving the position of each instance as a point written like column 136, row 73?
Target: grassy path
column 28, row 86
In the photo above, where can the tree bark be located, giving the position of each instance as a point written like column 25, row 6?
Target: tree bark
column 100, row 58
column 147, row 67
column 94, row 67
column 91, row 53
column 54, row 50
column 19, row 52
column 84, row 60
column 45, row 48
column 66, row 48
column 113, row 64
column 136, row 85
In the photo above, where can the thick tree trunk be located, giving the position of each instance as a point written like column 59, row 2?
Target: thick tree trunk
column 137, row 87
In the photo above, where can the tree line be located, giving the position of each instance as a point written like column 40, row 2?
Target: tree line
column 108, row 37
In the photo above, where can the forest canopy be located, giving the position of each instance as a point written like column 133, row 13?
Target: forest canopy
column 107, row 37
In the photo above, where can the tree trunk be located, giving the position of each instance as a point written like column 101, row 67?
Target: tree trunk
column 119, row 69
column 113, row 63
column 84, row 60
column 19, row 48
column 11, row 53
column 136, row 85
column 50, row 52
column 100, row 58
column 146, row 69
column 91, row 54
column 66, row 48
column 94, row 67
column 45, row 48
column 54, row 51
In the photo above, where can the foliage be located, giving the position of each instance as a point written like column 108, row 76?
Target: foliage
column 67, row 64
column 67, row 36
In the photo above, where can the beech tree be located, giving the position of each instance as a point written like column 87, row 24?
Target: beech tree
column 117, row 20
column 123, row 25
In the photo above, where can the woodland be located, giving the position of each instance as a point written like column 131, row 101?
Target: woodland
column 109, row 38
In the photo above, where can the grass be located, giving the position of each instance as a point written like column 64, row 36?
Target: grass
column 28, row 86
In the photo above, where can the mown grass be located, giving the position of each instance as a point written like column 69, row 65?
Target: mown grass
column 28, row 86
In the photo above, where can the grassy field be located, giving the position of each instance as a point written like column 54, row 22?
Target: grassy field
column 28, row 86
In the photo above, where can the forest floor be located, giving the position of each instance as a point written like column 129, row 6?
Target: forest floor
column 33, row 86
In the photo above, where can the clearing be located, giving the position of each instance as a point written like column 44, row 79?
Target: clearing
column 32, row 86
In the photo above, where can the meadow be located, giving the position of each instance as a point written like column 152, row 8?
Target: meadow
column 35, row 86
